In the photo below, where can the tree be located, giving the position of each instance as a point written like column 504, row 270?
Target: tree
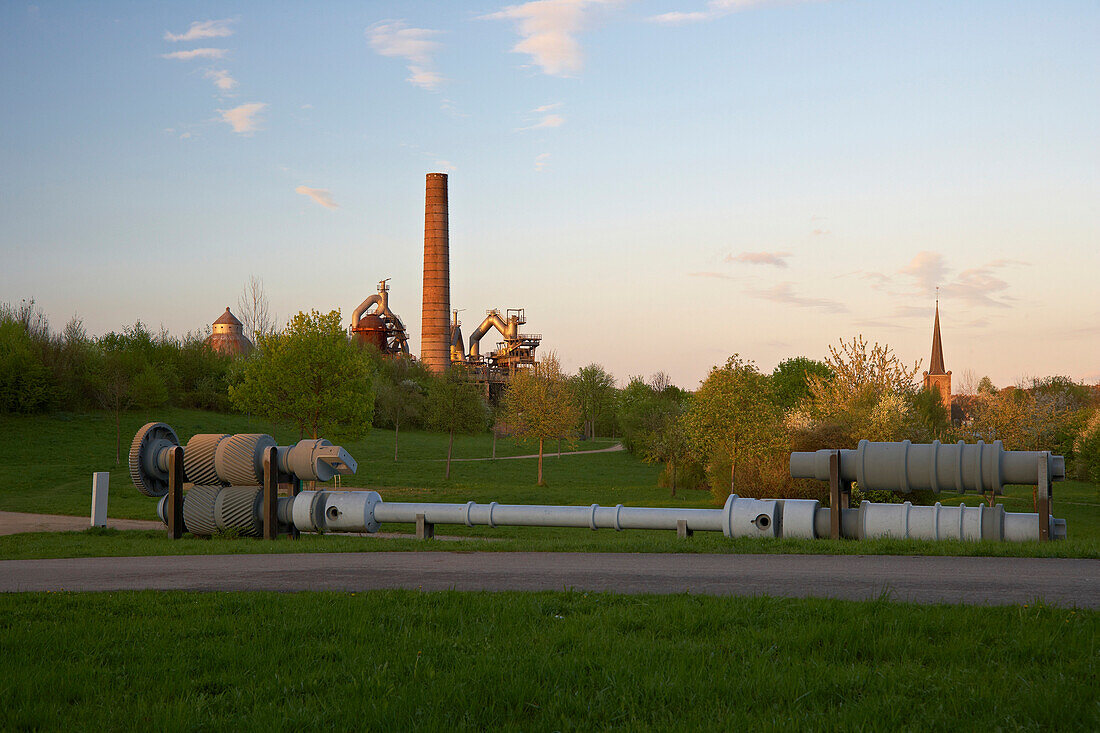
column 540, row 404
column 399, row 401
column 665, row 439
column 791, row 379
column 594, row 389
column 454, row 405
column 255, row 311
column 311, row 376
column 732, row 416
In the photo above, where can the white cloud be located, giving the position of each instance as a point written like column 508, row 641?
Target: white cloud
column 243, row 118
column 202, row 29
column 541, row 160
column 222, row 79
column 195, row 53
column 446, row 166
column 395, row 39
column 718, row 8
column 545, row 108
column 776, row 259
column 321, row 195
column 548, row 30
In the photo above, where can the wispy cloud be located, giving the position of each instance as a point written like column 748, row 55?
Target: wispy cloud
column 776, row 259
column 545, row 122
column 716, row 9
column 548, row 30
column 243, row 118
column 222, row 79
column 927, row 271
column 445, row 166
column 321, row 195
column 546, row 108
column 541, row 160
column 714, row 275
column 784, row 293
column 202, row 29
column 395, row 39
column 195, row 53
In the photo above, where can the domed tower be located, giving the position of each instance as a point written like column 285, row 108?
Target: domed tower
column 228, row 336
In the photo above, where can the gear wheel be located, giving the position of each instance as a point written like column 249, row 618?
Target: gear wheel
column 198, row 510
column 148, row 475
column 239, row 458
column 198, row 458
column 237, row 508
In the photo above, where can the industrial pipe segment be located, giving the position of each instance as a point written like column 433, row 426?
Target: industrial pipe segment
column 934, row 466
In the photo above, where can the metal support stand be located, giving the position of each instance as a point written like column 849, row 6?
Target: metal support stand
column 175, row 493
column 682, row 529
column 840, row 494
column 271, row 495
column 425, row 530
column 1045, row 492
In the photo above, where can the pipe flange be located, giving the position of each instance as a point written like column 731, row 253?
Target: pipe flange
column 492, row 506
column 466, row 517
column 618, row 524
column 146, row 471
column 592, row 517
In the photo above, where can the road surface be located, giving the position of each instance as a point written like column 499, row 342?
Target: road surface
column 972, row 580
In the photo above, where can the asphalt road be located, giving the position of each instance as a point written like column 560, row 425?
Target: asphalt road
column 972, row 580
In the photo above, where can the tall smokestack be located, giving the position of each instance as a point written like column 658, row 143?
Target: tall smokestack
column 435, row 325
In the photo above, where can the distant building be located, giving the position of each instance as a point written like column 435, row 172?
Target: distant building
column 937, row 376
column 228, row 336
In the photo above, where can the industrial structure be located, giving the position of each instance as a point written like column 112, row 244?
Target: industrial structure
column 236, row 482
column 441, row 340
column 379, row 327
column 228, row 337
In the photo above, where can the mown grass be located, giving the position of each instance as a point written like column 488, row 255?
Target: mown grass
column 396, row 660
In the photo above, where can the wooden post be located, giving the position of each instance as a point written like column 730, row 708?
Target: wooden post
column 834, row 495
column 425, row 530
column 271, row 495
column 295, row 489
column 1044, row 491
column 682, row 529
column 174, row 508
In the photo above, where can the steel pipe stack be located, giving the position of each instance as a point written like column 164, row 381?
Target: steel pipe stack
column 435, row 325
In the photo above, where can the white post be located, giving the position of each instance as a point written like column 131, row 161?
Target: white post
column 100, row 481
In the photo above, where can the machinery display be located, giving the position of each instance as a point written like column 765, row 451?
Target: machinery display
column 236, row 483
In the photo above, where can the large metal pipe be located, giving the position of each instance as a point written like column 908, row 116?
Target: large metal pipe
column 508, row 329
column 935, row 466
column 435, row 329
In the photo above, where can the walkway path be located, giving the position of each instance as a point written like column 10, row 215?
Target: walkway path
column 971, row 580
column 16, row 522
column 546, row 454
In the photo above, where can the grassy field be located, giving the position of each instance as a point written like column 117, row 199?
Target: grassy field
column 46, row 462
column 395, row 660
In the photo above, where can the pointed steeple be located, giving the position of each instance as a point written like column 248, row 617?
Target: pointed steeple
column 936, row 365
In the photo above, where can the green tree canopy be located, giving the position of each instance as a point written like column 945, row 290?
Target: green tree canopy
column 540, row 404
column 455, row 405
column 309, row 375
column 595, row 390
column 733, row 416
column 791, row 379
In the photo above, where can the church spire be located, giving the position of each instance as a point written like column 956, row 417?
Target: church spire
column 936, row 366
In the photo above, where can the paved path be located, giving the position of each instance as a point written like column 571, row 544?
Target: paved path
column 546, row 454
column 16, row 522
column 973, row 580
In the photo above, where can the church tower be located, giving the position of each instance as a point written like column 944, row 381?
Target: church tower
column 937, row 376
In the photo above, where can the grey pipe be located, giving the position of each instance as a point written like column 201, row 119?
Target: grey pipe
column 932, row 466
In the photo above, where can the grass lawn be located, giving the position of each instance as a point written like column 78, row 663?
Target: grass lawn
column 46, row 462
column 392, row 660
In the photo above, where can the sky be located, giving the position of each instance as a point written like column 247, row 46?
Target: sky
column 659, row 183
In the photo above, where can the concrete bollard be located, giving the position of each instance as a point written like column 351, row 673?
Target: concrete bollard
column 100, row 482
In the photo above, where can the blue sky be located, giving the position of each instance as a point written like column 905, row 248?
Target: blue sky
column 659, row 183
